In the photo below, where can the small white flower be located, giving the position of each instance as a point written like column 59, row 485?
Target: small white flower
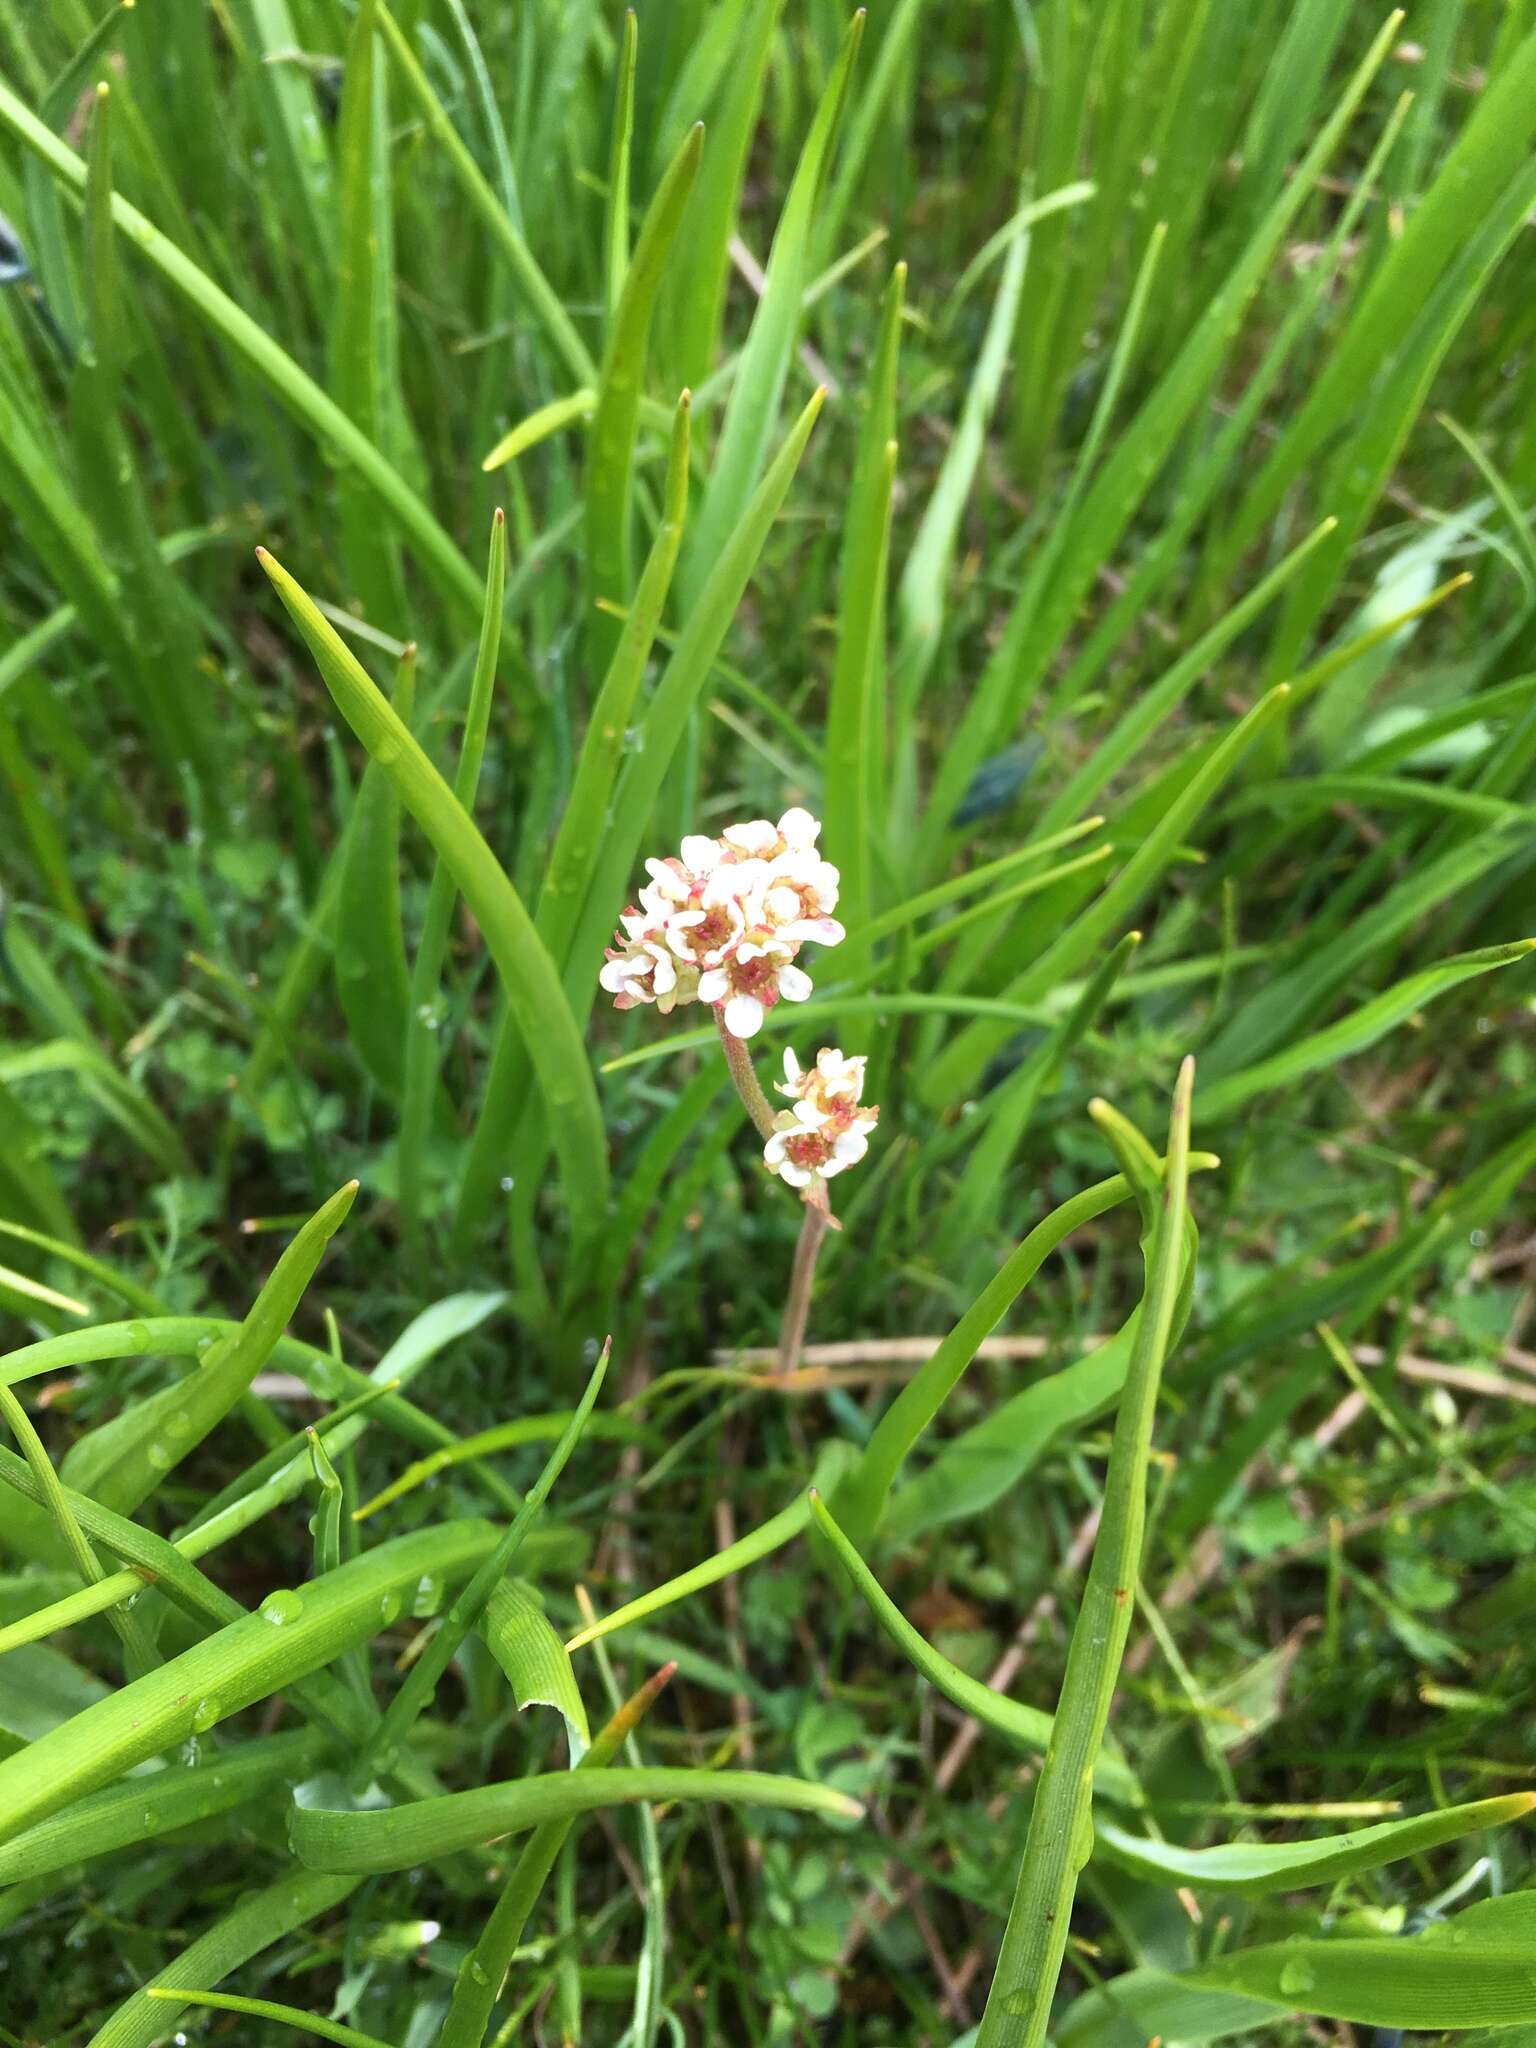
column 723, row 921
column 828, row 1129
column 746, row 986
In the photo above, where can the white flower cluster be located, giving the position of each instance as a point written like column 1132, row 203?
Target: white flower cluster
column 828, row 1129
column 722, row 924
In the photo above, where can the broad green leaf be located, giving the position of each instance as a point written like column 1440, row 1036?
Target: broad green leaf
column 1474, row 1969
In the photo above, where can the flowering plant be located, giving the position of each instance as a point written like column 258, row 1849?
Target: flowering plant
column 722, row 923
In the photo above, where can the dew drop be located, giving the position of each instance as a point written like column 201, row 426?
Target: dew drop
column 136, row 1336
column 428, row 1593
column 281, row 1607
column 204, row 1714
column 1296, row 1977
column 159, row 1457
column 507, row 1183
column 389, row 1608
column 478, row 1972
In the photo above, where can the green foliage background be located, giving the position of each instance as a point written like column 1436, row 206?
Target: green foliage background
column 1104, row 495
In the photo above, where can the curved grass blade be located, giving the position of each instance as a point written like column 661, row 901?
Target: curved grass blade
column 855, row 734
column 758, row 1543
column 539, row 425
column 523, row 1640
column 1026, row 1727
column 372, row 982
column 144, row 1807
column 468, row 1604
column 123, row 1461
column 1360, row 1029
column 420, row 1038
column 527, row 973
column 319, row 413
column 484, row 1969
column 259, row 1920
column 1254, row 1868
column 505, row 1436
column 1473, row 1969
column 293, row 1634
column 1060, row 1838
column 139, row 1649
column 311, row 2023
column 611, row 439
column 397, row 1838
column 764, row 365
column 860, row 1502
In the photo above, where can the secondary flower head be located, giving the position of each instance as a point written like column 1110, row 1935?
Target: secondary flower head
column 723, row 921
column 828, row 1128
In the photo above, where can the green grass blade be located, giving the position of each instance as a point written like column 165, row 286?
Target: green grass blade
column 681, row 682
column 484, row 1969
column 529, row 278
column 122, row 1462
column 1026, row 1727
column 611, row 439
column 398, row 1837
column 261, row 1918
column 763, row 370
column 1060, row 1836
column 422, row 1017
column 526, row 970
column 697, row 296
column 1363, row 1027
column 421, row 1681
column 1254, row 1868
column 856, row 735
column 1471, row 1970
column 142, row 1808
column 303, row 397
column 312, row 2023
column 962, row 1059
column 293, row 1634
column 372, row 982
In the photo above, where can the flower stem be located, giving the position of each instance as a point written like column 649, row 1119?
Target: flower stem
column 748, row 1087
column 818, row 1220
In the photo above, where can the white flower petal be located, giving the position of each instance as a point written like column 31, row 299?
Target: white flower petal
column 614, row 974
column 773, row 1151
column 743, row 1016
column 797, row 1176
column 809, row 1115
column 849, row 1147
column 799, row 827
column 714, row 985
column 755, row 836
column 700, row 853
column 794, row 984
